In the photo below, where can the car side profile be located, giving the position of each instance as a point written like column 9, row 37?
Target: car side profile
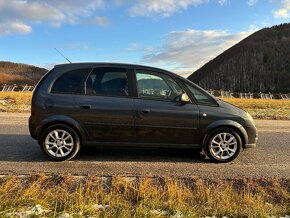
column 110, row 104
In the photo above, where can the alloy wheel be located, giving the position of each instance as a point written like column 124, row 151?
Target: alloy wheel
column 223, row 146
column 59, row 143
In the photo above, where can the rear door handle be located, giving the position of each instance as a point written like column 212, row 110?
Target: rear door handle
column 145, row 111
column 85, row 107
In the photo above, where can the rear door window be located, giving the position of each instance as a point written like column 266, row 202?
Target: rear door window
column 108, row 81
column 70, row 82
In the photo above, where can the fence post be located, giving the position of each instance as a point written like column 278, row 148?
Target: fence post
column 13, row 87
column 24, row 88
column 8, row 88
column 271, row 95
column 251, row 95
column 261, row 95
column 4, row 87
column 282, row 96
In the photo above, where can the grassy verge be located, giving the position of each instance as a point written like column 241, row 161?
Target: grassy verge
column 259, row 109
column 15, row 101
column 264, row 109
column 55, row 196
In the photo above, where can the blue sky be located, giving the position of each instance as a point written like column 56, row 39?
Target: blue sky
column 178, row 35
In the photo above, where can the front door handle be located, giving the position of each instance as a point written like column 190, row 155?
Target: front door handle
column 85, row 107
column 145, row 111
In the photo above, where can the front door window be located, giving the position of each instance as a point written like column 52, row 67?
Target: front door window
column 157, row 87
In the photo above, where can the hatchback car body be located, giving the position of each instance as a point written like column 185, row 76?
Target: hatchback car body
column 108, row 104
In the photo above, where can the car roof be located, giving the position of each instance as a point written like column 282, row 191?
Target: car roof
column 95, row 64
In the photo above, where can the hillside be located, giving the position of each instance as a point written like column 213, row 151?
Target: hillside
column 20, row 74
column 259, row 63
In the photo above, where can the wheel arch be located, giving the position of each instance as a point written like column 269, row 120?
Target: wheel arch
column 59, row 119
column 226, row 124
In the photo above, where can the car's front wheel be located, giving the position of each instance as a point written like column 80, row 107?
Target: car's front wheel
column 224, row 145
column 60, row 142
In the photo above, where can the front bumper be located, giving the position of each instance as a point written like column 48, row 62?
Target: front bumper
column 253, row 145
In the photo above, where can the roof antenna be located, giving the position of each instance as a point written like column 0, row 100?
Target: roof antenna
column 62, row 55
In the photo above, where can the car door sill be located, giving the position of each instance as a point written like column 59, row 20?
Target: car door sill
column 135, row 144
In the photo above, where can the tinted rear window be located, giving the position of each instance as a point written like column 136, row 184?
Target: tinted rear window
column 70, row 82
column 108, row 81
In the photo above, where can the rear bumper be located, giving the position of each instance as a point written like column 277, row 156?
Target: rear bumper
column 32, row 127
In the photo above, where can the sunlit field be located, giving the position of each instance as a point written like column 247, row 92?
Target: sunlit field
column 15, row 101
column 258, row 108
column 264, row 109
column 66, row 196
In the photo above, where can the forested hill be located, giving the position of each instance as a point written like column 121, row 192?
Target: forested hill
column 259, row 63
column 20, row 74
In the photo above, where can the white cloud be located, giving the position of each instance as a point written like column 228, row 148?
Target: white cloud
column 32, row 11
column 190, row 49
column 223, row 2
column 54, row 12
column 281, row 13
column 14, row 27
column 284, row 10
column 74, row 9
column 161, row 7
column 252, row 2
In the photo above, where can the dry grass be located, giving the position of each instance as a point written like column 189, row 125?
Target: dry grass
column 15, row 101
column 6, row 78
column 144, row 197
column 11, row 79
column 259, row 109
column 264, row 109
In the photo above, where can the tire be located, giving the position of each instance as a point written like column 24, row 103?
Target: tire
column 60, row 142
column 223, row 145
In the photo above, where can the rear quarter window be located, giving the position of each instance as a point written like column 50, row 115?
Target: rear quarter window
column 70, row 82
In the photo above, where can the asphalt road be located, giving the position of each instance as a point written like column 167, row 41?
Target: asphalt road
column 20, row 154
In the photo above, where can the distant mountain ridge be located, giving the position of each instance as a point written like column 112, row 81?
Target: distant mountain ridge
column 20, row 74
column 259, row 63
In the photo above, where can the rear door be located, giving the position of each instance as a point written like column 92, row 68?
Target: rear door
column 161, row 118
column 107, row 107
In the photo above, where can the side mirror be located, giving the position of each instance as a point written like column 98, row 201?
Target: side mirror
column 184, row 98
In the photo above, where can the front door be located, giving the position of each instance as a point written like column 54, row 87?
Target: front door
column 107, row 108
column 161, row 117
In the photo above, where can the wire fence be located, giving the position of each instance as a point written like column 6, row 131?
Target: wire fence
column 249, row 95
column 217, row 93
column 17, row 88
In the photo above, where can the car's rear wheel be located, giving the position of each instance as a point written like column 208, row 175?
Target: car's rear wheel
column 224, row 145
column 60, row 142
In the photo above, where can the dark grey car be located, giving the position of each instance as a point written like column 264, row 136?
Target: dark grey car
column 109, row 104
